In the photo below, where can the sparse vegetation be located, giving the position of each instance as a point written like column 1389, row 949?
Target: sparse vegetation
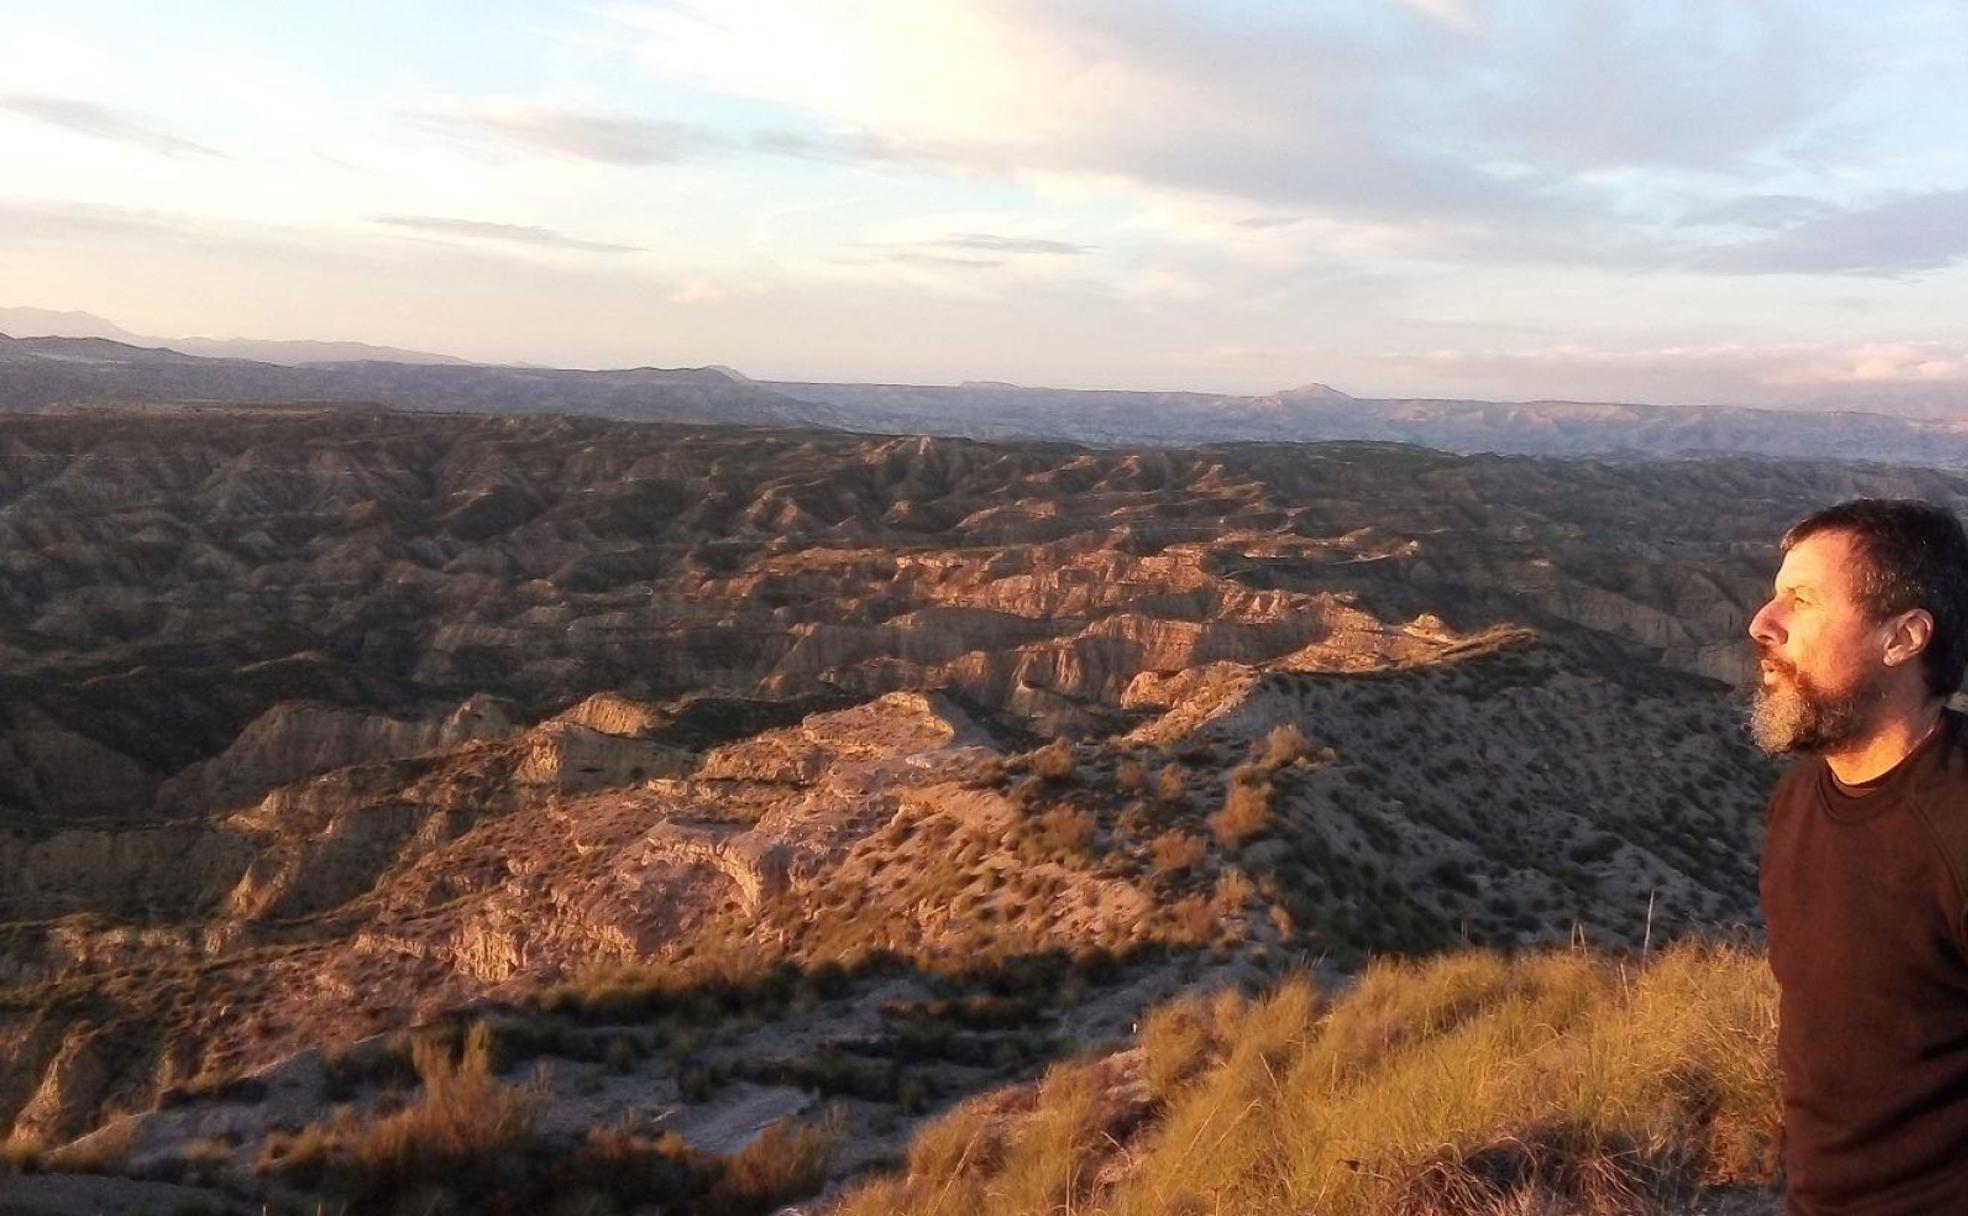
column 1468, row 1084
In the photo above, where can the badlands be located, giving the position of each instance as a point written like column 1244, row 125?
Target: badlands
column 784, row 787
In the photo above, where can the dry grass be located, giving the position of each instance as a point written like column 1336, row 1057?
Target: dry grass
column 465, row 1120
column 464, row 1126
column 1068, row 830
column 788, row 1161
column 1055, row 761
column 20, row 1155
column 1171, row 785
column 1131, row 776
column 1283, row 745
column 1246, row 810
column 1175, row 851
column 1468, row 1084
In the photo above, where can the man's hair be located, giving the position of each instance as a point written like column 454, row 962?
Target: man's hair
column 1912, row 554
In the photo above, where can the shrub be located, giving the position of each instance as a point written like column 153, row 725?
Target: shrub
column 19, row 1155
column 1246, row 810
column 787, row 1161
column 1172, row 786
column 1056, row 761
column 1174, row 851
column 1454, row 875
column 1283, row 745
column 1131, row 775
column 1192, row 921
column 1175, row 1042
column 1068, row 831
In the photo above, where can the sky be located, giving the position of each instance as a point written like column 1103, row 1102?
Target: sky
column 1681, row 201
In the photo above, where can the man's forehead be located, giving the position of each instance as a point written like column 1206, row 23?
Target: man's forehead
column 1825, row 561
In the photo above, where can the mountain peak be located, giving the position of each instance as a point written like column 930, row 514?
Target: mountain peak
column 1314, row 392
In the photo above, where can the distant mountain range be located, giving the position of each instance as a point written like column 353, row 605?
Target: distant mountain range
column 44, row 322
column 39, row 373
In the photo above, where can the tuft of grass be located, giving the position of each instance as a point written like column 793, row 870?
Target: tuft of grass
column 1068, row 831
column 1175, row 1043
column 787, row 1161
column 1175, row 851
column 1056, row 761
column 1246, row 810
column 1283, row 745
column 20, row 1154
column 1172, row 785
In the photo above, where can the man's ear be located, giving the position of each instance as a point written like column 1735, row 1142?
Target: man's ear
column 1909, row 635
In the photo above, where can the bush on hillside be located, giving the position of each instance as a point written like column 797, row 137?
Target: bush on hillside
column 1246, row 810
column 1056, row 761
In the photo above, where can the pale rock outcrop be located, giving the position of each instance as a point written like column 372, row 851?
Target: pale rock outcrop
column 611, row 713
column 295, row 740
column 891, row 726
column 570, row 758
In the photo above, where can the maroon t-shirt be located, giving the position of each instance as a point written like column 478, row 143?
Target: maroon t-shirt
column 1868, row 945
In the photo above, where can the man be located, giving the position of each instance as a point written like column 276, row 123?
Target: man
column 1865, row 866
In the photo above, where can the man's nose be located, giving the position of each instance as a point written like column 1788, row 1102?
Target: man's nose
column 1764, row 626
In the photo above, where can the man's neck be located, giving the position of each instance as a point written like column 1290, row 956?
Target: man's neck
column 1882, row 749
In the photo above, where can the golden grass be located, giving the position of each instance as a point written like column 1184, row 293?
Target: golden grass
column 1056, row 761
column 1246, row 809
column 1283, row 745
column 465, row 1120
column 1175, row 850
column 20, row 1154
column 1471, row 1083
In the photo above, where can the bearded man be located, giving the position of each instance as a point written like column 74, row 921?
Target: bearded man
column 1865, row 865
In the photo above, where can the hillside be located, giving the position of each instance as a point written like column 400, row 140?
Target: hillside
column 730, row 775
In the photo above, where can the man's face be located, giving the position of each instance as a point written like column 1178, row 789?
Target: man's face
column 1820, row 660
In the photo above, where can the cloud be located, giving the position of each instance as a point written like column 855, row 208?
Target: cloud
column 518, row 234
column 991, row 243
column 1761, row 211
column 1118, row 94
column 1904, row 235
column 613, row 139
column 1325, row 111
column 1898, row 376
column 102, row 122
column 1454, row 13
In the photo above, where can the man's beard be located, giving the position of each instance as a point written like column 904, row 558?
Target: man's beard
column 1790, row 714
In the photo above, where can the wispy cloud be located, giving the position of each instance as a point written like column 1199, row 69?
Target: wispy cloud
column 1455, row 13
column 1914, row 233
column 614, row 139
column 517, row 234
column 989, row 242
column 102, row 122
